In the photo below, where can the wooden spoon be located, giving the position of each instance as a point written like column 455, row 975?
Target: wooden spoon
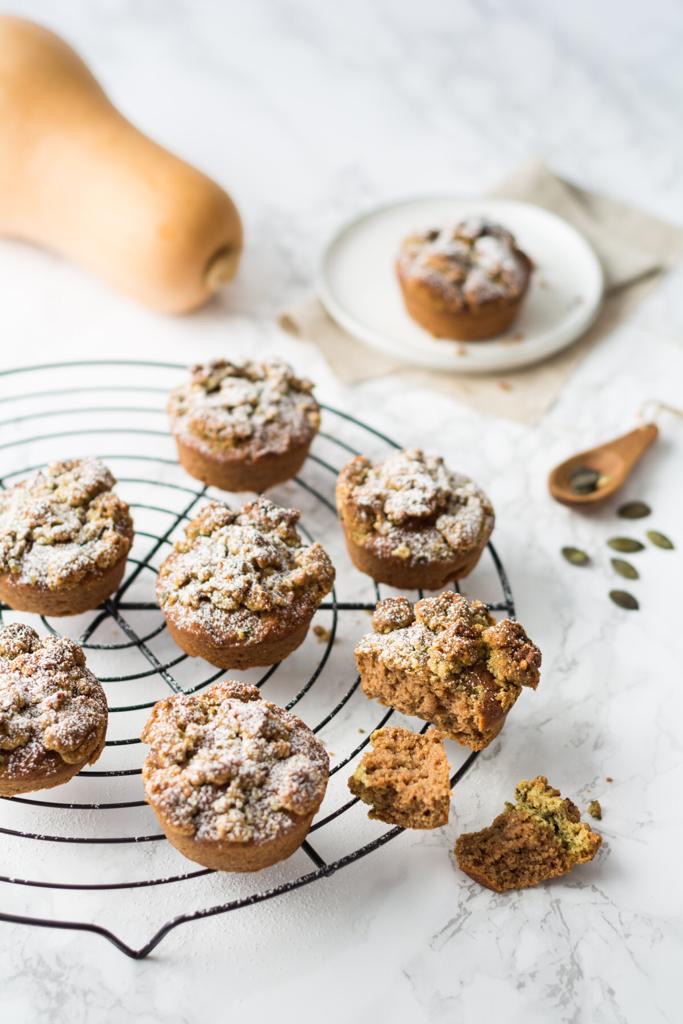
column 614, row 460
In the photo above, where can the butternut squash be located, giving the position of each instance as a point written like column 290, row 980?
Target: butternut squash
column 79, row 179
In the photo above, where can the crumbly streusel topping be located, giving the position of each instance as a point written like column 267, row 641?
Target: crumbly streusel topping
column 63, row 524
column 226, row 765
column 49, row 701
column 241, row 574
column 470, row 264
column 262, row 408
column 412, row 506
column 449, row 636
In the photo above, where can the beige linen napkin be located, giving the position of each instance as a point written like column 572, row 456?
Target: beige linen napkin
column 633, row 247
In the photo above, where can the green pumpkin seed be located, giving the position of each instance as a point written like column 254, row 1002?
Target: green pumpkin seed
column 575, row 556
column 627, row 544
column 660, row 540
column 634, row 510
column 624, row 599
column 583, row 480
column 625, row 568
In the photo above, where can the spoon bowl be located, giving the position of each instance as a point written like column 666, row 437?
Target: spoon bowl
column 614, row 461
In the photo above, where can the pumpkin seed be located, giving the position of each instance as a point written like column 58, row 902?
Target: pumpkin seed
column 625, row 568
column 624, row 599
column 575, row 556
column 583, row 480
column 660, row 540
column 625, row 544
column 634, row 510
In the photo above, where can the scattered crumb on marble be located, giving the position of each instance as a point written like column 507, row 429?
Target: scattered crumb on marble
column 609, row 778
column 362, row 730
column 505, row 385
column 595, row 810
column 322, row 634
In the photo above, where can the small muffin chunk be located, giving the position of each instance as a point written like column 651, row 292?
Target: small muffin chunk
column 539, row 837
column 465, row 282
column 447, row 661
column 234, row 780
column 53, row 711
column 405, row 778
column 64, row 539
column 240, row 589
column 243, row 426
column 410, row 521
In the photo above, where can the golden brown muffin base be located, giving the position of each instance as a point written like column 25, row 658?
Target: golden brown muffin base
column 398, row 572
column 196, row 643
column 227, row 856
column 225, row 471
column 51, row 771
column 393, row 690
column 84, row 596
column 430, row 311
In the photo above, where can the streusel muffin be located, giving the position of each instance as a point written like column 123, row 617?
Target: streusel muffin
column 53, row 711
column 447, row 661
column 243, row 426
column 410, row 521
column 539, row 837
column 241, row 588
column 64, row 539
column 405, row 778
column 234, row 780
column 466, row 282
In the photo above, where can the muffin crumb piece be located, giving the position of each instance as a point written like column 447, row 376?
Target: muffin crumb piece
column 539, row 837
column 595, row 810
column 405, row 778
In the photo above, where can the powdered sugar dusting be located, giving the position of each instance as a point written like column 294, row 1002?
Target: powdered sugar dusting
column 63, row 524
column 414, row 507
column 226, row 765
column 470, row 264
column 50, row 703
column 240, row 575
column 252, row 408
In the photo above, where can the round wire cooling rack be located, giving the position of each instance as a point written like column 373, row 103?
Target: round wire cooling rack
column 78, row 860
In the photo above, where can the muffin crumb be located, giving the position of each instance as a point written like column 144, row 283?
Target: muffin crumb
column 539, row 837
column 404, row 778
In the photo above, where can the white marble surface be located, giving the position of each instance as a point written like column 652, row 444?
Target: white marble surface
column 306, row 112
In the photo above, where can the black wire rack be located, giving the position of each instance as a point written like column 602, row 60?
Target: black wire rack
column 116, row 409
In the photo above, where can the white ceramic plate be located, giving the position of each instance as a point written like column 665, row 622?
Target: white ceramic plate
column 358, row 285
